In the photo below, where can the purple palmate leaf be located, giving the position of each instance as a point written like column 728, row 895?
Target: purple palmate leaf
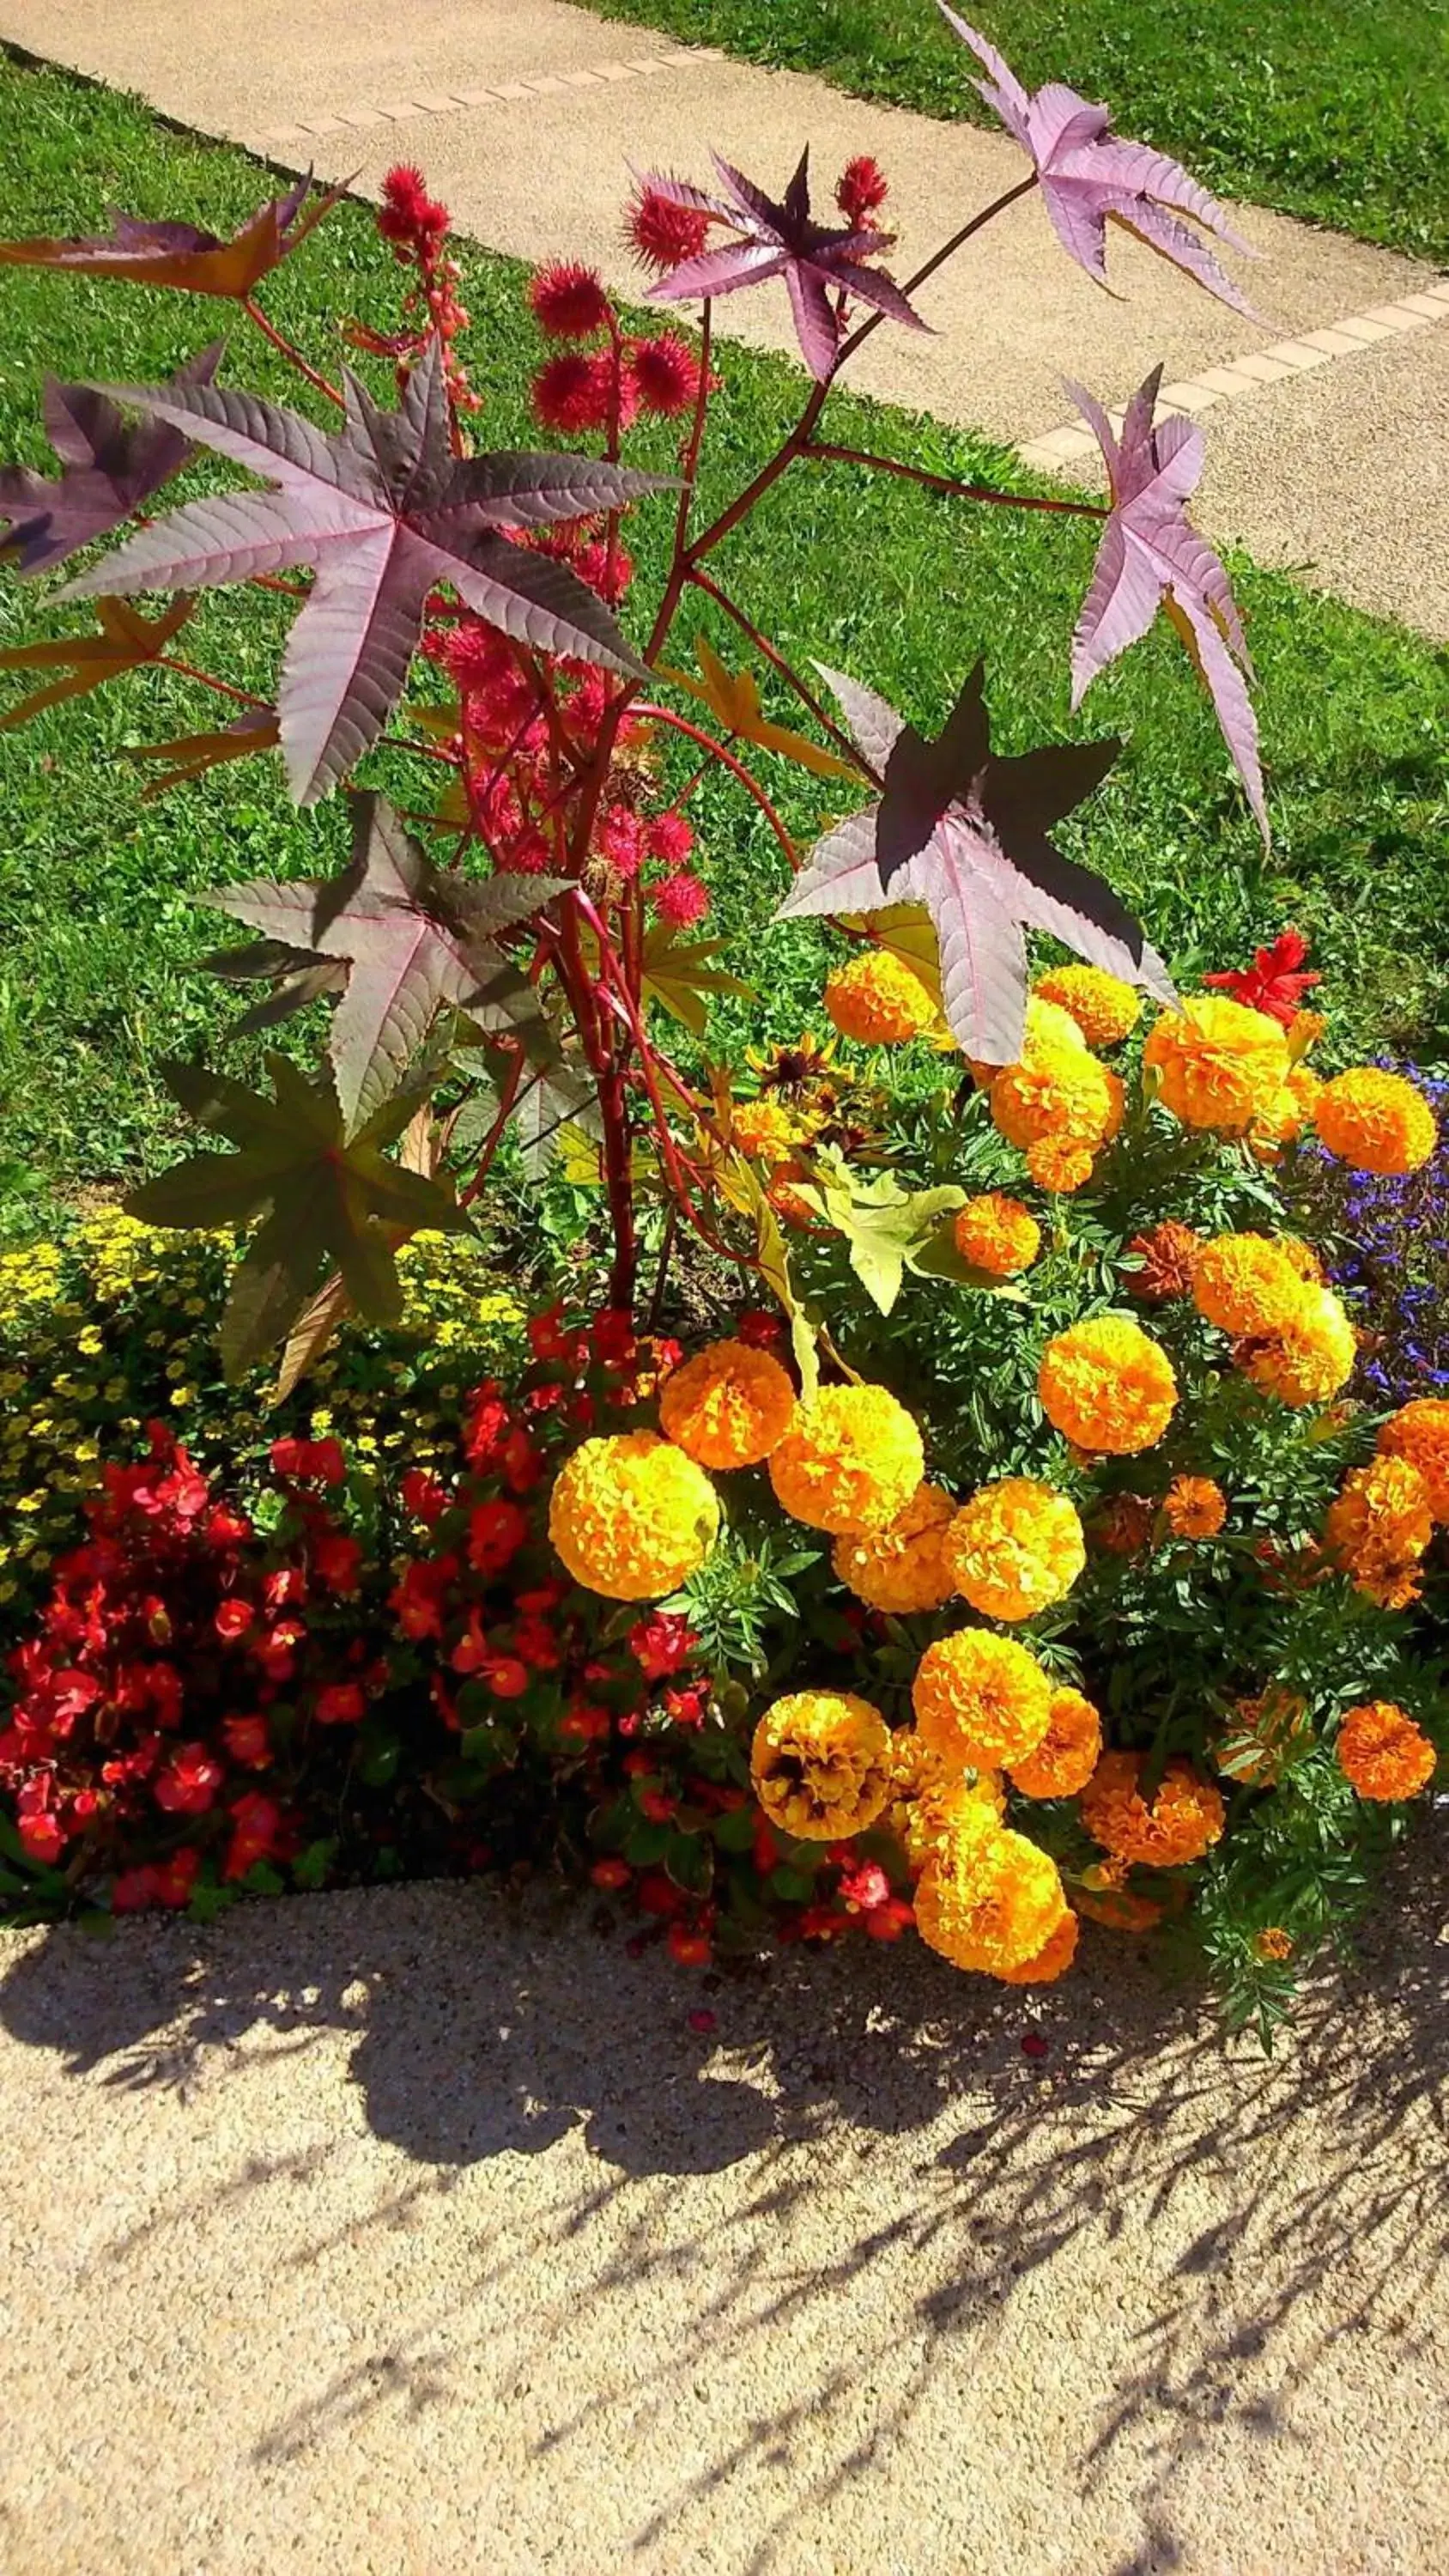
column 1152, row 557
column 110, row 466
column 967, row 834
column 823, row 266
column 382, row 511
column 1088, row 174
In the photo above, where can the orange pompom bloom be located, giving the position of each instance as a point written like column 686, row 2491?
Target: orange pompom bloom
column 1014, row 1548
column 876, row 999
column 1165, row 1259
column 1420, row 1432
column 1106, row 1386
column 729, row 1406
column 1217, row 1063
column 631, row 1517
column 1247, row 1283
column 1274, row 1943
column 997, row 1234
column 1376, row 1121
column 1056, row 1091
column 1310, row 1357
column 1052, row 1959
column 1194, row 1507
column 980, row 1699
column 1105, row 1009
column 820, row 1763
column 1378, row 1529
column 1382, row 1753
column 902, row 1569
column 989, row 1900
column 1058, row 1164
column 851, row 1461
column 764, row 1130
column 1066, row 1757
column 1184, row 1817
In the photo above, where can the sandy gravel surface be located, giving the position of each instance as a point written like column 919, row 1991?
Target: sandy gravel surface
column 413, row 2232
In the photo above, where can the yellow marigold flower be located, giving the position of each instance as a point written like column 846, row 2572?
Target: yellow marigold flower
column 1420, row 1433
column 820, row 1763
column 1217, row 1063
column 1107, row 1386
column 1053, row 1958
column 877, row 1000
column 1014, row 1548
column 850, row 1461
column 1379, row 1527
column 1291, row 1114
column 632, row 1517
column 980, row 1699
column 1310, row 1357
column 934, row 1803
column 764, row 1130
column 997, row 1234
column 1184, row 1817
column 1246, row 1283
column 1377, row 1121
column 1056, row 1091
column 1274, row 1943
column 1105, row 1009
column 1066, row 1757
column 1164, row 1258
column 1047, row 1025
column 1264, row 1736
column 1194, row 1507
column 1056, row 1164
column 729, row 1406
column 1381, row 1752
column 989, row 1900
column 901, row 1569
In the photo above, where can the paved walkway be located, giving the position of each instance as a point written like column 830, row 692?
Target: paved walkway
column 393, row 2235
column 1329, row 422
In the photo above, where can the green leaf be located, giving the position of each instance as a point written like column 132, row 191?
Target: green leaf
column 884, row 1227
column 735, row 1832
column 330, row 1202
column 791, row 1885
column 647, row 1844
column 311, row 1867
column 689, row 1861
column 678, row 975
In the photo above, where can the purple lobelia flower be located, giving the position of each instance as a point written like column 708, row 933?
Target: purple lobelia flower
column 1151, row 557
column 823, row 265
column 1089, row 174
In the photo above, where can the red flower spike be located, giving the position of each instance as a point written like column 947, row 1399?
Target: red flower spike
column 666, row 374
column 662, row 232
column 861, row 189
column 669, row 839
column 568, row 301
column 681, row 901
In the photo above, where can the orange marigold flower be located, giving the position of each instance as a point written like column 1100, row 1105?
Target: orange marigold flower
column 765, row 1130
column 1053, row 1958
column 1310, row 1357
column 850, row 1461
column 1105, row 1009
column 1264, row 1735
column 1119, row 1908
column 1183, row 1818
column 729, row 1406
column 901, row 1569
column 1047, row 1025
column 1274, row 1943
column 1379, row 1527
column 876, row 999
column 933, row 1802
column 787, row 1200
column 820, row 1763
column 1107, row 1386
column 1066, row 1757
column 1247, row 1283
column 1057, row 1164
column 1377, row 1121
column 1164, row 1259
column 1217, row 1063
column 997, row 1234
column 1420, row 1432
column 1194, row 1507
column 1014, row 1548
column 632, row 1517
column 989, row 1900
column 1382, row 1753
column 1056, row 1090
column 980, row 1699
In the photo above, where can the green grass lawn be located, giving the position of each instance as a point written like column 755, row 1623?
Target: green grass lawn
column 98, row 936
column 1337, row 110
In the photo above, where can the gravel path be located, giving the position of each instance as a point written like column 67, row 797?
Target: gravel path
column 408, row 2232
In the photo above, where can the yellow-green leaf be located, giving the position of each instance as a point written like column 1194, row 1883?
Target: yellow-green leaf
column 733, row 698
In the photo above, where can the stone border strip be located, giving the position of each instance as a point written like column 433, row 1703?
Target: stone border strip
column 1070, row 445
column 398, row 110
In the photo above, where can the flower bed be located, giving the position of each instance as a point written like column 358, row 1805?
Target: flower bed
column 941, row 1493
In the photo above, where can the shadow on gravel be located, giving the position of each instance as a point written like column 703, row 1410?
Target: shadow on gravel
column 955, row 2163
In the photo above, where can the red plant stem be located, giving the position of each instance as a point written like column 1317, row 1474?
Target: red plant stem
column 777, row 661
column 208, row 680
column 293, row 356
column 607, row 1064
column 494, row 1137
column 412, row 742
column 821, row 451
column 288, row 589
column 939, row 258
column 752, row 787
